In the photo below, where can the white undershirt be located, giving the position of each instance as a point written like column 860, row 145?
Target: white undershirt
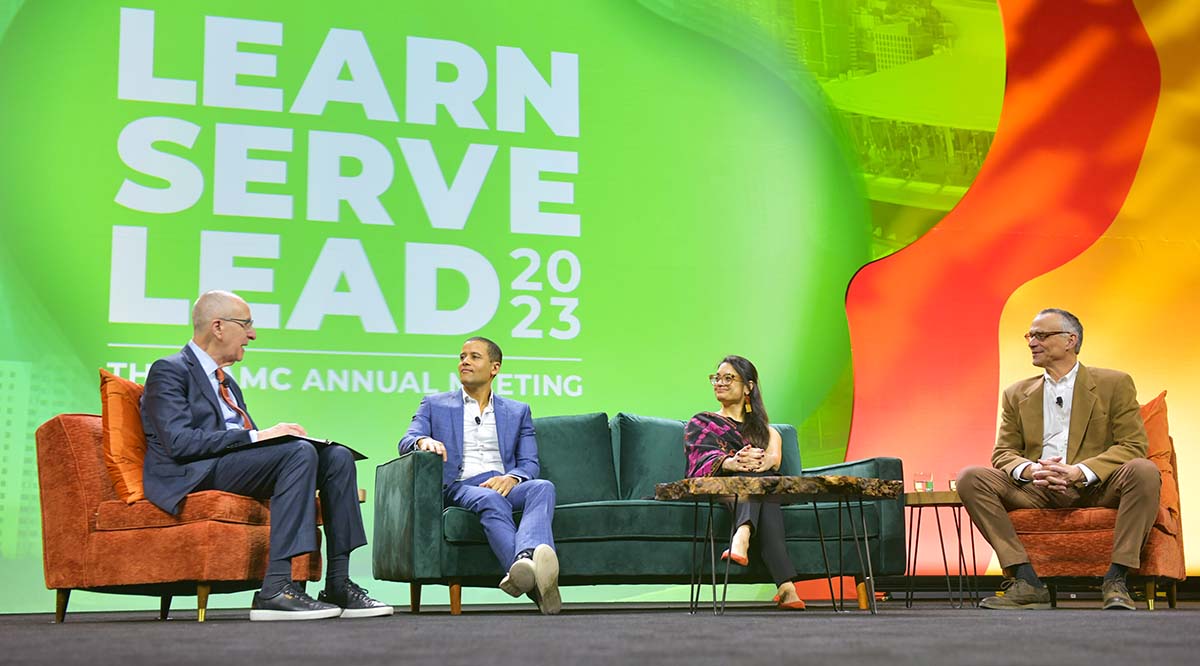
column 481, row 443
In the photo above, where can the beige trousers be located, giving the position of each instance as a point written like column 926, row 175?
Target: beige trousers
column 989, row 494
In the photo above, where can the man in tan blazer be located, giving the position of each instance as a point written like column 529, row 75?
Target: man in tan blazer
column 1071, row 437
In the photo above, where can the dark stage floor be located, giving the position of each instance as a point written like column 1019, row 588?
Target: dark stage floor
column 929, row 633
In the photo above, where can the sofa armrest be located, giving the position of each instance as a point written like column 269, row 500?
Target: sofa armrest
column 408, row 539
column 875, row 468
column 890, row 526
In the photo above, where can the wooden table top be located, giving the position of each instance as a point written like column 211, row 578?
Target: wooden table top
column 933, row 498
column 780, row 488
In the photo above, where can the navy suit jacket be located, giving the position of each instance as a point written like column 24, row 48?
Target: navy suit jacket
column 185, row 428
column 440, row 416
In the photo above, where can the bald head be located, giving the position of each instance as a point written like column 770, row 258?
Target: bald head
column 222, row 326
column 214, row 305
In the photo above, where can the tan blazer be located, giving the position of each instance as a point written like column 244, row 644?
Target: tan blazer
column 1106, row 423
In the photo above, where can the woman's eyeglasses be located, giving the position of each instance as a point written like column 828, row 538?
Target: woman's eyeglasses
column 723, row 380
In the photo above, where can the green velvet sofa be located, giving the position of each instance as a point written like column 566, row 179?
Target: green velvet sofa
column 608, row 529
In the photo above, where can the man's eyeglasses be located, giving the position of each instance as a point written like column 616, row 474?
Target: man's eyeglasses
column 723, row 380
column 246, row 324
column 1042, row 335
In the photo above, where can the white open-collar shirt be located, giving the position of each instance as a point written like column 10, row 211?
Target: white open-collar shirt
column 481, row 443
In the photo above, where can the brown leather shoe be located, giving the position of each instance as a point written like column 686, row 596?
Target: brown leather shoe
column 1018, row 595
column 1116, row 595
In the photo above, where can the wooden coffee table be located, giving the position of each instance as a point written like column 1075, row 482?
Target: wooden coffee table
column 844, row 490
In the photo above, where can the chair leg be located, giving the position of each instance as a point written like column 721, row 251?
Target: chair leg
column 202, row 591
column 414, row 597
column 1150, row 593
column 61, row 597
column 455, row 597
column 164, row 606
column 1053, row 587
column 1171, row 594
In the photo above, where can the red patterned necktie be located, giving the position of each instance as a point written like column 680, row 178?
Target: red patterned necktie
column 227, row 396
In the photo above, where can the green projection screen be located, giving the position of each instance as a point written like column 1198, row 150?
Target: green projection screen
column 619, row 193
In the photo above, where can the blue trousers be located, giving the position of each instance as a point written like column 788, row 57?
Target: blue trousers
column 288, row 474
column 533, row 498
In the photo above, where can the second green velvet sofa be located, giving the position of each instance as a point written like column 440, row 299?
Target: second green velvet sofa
column 608, row 529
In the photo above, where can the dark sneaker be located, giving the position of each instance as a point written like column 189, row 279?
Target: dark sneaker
column 1116, row 595
column 1018, row 595
column 520, row 579
column 354, row 601
column 545, row 563
column 291, row 604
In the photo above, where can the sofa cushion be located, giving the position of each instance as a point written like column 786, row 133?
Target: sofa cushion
column 205, row 505
column 576, row 454
column 1161, row 451
column 122, row 438
column 651, row 452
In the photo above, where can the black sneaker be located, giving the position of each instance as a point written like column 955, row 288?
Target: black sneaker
column 354, row 601
column 291, row 604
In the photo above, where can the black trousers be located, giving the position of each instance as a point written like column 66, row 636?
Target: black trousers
column 767, row 533
column 289, row 474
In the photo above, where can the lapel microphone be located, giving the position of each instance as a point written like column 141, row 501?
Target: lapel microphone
column 1057, row 399
column 479, row 421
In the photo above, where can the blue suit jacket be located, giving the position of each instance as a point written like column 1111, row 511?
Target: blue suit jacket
column 440, row 416
column 185, row 429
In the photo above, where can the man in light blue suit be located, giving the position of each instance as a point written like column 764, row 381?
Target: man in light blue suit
column 490, row 467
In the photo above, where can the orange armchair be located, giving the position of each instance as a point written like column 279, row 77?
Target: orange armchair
column 91, row 540
column 1078, row 542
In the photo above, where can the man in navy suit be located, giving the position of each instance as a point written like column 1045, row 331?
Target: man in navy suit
column 490, row 467
column 199, row 436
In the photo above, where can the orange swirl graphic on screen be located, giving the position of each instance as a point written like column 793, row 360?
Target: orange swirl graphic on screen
column 1081, row 93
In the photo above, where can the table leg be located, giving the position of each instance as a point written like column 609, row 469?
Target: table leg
column 976, row 597
column 966, row 584
column 732, row 530
column 712, row 551
column 945, row 563
column 864, row 565
column 870, row 577
column 694, row 575
column 841, row 558
column 825, row 556
column 911, row 549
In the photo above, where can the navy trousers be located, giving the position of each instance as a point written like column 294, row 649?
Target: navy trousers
column 288, row 474
column 533, row 498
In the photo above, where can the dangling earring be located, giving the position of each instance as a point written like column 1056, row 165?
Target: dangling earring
column 748, row 408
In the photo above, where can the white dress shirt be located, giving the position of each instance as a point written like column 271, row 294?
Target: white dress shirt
column 1057, row 400
column 481, row 443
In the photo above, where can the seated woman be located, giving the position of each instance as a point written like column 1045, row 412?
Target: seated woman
column 737, row 441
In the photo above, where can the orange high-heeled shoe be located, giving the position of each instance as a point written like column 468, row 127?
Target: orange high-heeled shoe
column 740, row 560
column 790, row 605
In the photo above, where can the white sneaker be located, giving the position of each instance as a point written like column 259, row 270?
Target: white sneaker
column 521, row 577
column 545, row 563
